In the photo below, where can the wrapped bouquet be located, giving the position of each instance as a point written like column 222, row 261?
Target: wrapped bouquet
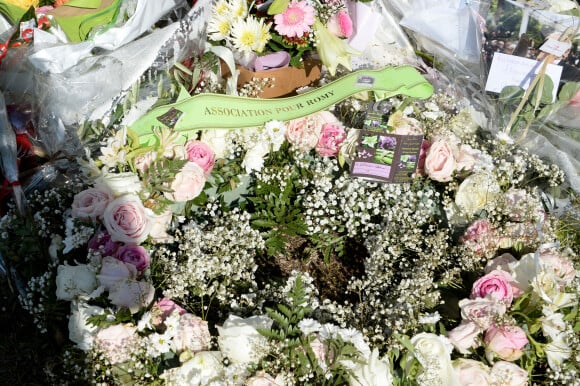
column 378, row 224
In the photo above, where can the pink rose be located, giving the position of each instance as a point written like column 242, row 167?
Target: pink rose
column 187, row 184
column 118, row 342
column 192, row 334
column 507, row 342
column 575, row 99
column 200, row 153
column 496, row 284
column 471, row 372
column 464, row 336
column 481, row 311
column 340, row 24
column 441, row 160
column 480, row 237
column 131, row 294
column 91, row 203
column 127, row 220
column 135, row 255
column 467, row 158
column 508, row 374
column 102, row 242
column 330, row 139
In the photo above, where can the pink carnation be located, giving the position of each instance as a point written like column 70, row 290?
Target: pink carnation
column 296, row 20
column 330, row 139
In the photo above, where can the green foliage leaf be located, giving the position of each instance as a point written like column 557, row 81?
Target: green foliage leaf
column 278, row 6
column 568, row 91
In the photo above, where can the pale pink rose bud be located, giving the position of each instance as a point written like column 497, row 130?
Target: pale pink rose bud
column 507, row 342
column 482, row 311
column 117, row 342
column 90, row 204
column 464, row 337
column 471, row 372
column 441, row 160
column 187, row 184
column 192, row 334
column 508, row 374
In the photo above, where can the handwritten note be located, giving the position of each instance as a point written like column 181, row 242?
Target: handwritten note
column 509, row 70
column 556, row 47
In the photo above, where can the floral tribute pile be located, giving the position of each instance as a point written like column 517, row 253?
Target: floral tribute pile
column 253, row 257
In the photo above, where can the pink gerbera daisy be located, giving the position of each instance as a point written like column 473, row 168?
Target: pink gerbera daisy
column 296, row 20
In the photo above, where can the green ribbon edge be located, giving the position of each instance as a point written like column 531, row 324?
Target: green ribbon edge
column 389, row 81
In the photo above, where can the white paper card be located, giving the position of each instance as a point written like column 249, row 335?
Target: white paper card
column 555, row 47
column 509, row 70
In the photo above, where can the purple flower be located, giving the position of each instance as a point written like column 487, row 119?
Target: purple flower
column 387, row 142
column 102, row 242
column 135, row 255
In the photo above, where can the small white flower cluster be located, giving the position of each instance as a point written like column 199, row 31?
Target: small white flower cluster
column 211, row 260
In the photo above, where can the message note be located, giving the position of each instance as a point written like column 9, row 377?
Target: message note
column 509, row 70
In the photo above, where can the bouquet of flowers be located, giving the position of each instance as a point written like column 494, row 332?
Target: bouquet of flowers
column 382, row 239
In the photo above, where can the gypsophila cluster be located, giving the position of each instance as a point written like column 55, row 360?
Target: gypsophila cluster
column 212, row 262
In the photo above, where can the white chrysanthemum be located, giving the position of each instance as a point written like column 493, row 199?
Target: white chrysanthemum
column 250, row 35
column 219, row 27
column 238, row 9
column 222, row 8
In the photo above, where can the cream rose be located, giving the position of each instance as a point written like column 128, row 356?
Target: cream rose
column 508, row 374
column 464, row 336
column 240, row 341
column 374, row 371
column 434, row 353
column 471, row 372
column 476, row 191
column 121, row 183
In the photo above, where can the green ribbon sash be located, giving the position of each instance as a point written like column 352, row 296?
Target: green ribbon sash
column 218, row 111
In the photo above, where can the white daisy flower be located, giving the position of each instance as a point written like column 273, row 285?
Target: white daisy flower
column 238, row 9
column 250, row 35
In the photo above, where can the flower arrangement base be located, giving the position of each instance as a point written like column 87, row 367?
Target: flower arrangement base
column 278, row 82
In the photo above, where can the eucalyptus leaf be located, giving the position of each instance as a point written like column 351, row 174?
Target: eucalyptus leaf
column 511, row 93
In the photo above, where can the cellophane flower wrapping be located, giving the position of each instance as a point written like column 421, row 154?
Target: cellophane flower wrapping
column 165, row 252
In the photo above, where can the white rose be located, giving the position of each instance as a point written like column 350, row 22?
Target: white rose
column 240, row 341
column 131, row 294
column 546, row 284
column 74, row 280
column 375, row 371
column 508, row 374
column 254, row 157
column 79, row 330
column 204, row 367
column 434, row 353
column 217, row 140
column 121, row 183
column 476, row 191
